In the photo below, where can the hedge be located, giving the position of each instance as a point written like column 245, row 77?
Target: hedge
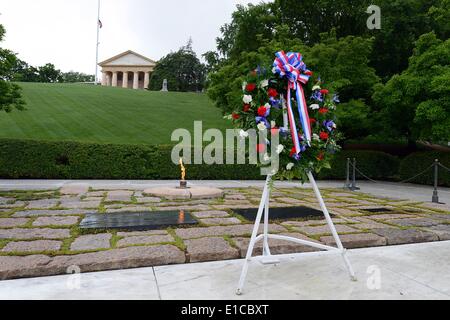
column 419, row 161
column 374, row 164
column 29, row 159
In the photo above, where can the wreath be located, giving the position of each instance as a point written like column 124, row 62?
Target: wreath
column 276, row 101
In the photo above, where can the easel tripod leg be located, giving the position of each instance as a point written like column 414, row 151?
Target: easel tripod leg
column 251, row 244
column 331, row 226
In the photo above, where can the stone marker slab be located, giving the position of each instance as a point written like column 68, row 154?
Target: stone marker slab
column 92, row 242
column 210, row 249
column 137, row 240
column 74, row 189
column 276, row 246
column 399, row 236
column 35, row 233
column 13, row 222
column 55, row 221
column 282, row 213
column 142, row 233
column 359, row 240
column 33, row 246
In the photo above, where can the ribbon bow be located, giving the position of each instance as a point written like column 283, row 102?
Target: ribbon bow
column 292, row 67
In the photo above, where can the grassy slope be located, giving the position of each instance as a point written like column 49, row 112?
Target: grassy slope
column 106, row 115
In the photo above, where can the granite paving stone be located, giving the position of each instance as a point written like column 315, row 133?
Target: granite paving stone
column 12, row 267
column 74, row 189
column 32, row 213
column 358, row 240
column 32, row 246
column 210, row 249
column 234, row 230
column 235, row 197
column 137, row 240
column 148, row 200
column 13, row 222
column 42, row 204
column 442, row 231
column 119, row 195
column 74, row 204
column 142, row 233
column 92, row 242
column 220, row 221
column 55, row 221
column 211, row 214
column 276, row 246
column 35, row 233
column 324, row 229
column 414, row 222
column 401, row 236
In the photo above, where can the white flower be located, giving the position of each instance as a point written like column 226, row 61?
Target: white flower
column 247, row 99
column 314, row 107
column 244, row 85
column 289, row 166
column 261, row 126
column 266, row 157
column 316, row 137
column 316, row 88
column 243, row 134
column 273, row 124
column 280, row 148
column 264, row 83
column 268, row 106
column 274, row 70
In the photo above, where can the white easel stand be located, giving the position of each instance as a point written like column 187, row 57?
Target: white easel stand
column 267, row 257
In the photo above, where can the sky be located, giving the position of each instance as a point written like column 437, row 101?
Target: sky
column 63, row 32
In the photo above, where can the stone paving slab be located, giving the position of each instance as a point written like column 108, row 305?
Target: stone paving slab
column 74, row 189
column 414, row 222
column 148, row 200
column 92, row 242
column 137, row 240
column 237, row 230
column 73, row 204
column 35, row 233
column 276, row 246
column 55, row 221
column 358, row 240
column 442, row 231
column 13, row 222
column 211, row 214
column 324, row 229
column 119, row 195
column 142, row 233
column 220, row 221
column 399, row 236
column 33, row 246
column 42, row 204
column 33, row 213
column 210, row 249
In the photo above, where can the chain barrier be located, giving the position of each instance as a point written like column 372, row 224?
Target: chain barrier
column 443, row 167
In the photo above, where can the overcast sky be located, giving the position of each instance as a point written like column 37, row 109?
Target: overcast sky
column 63, row 32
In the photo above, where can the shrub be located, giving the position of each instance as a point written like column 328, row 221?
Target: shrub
column 419, row 161
column 374, row 164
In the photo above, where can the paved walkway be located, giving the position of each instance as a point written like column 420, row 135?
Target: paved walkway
column 380, row 189
column 417, row 271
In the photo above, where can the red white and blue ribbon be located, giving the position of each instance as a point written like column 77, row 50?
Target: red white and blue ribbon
column 292, row 67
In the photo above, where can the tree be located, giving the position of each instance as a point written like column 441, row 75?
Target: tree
column 182, row 69
column 73, row 77
column 10, row 95
column 416, row 103
column 48, row 73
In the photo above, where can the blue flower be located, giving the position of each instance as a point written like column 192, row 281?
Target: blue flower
column 329, row 124
column 275, row 103
column 336, row 98
column 317, row 96
column 263, row 120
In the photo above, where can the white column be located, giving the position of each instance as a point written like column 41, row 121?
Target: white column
column 146, row 80
column 108, row 79
column 125, row 80
column 104, row 79
column 136, row 80
column 114, row 79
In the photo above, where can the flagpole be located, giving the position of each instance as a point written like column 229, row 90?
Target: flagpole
column 98, row 43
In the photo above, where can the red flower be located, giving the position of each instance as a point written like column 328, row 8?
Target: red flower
column 262, row 111
column 312, row 120
column 324, row 135
column 293, row 152
column 235, row 116
column 247, row 107
column 309, row 73
column 324, row 91
column 321, row 156
column 261, row 148
column 272, row 92
column 323, row 110
column 250, row 87
column 274, row 131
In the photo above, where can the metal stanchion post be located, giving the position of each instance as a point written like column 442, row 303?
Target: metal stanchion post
column 347, row 181
column 435, row 197
column 353, row 186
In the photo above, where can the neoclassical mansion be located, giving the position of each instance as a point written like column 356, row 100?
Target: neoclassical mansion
column 127, row 70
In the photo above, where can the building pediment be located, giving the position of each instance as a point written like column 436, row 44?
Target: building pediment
column 128, row 58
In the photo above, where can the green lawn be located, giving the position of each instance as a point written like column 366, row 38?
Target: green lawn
column 107, row 115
